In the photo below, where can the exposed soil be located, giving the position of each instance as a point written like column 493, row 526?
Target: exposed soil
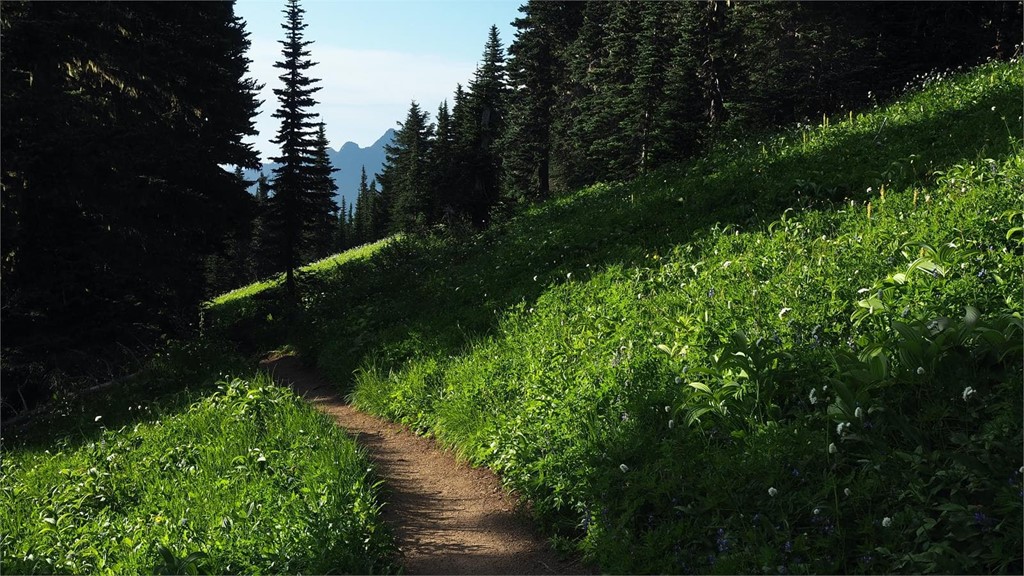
column 447, row 517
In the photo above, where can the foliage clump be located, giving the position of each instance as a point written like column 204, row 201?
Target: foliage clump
column 249, row 479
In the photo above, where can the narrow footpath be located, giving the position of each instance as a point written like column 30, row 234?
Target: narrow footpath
column 447, row 517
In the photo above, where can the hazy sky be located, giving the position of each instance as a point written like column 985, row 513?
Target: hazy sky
column 374, row 57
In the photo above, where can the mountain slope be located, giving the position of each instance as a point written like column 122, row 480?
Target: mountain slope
column 797, row 354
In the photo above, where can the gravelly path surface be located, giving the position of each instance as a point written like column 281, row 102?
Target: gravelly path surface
column 447, row 517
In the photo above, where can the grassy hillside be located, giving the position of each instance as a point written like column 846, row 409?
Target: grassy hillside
column 801, row 353
column 240, row 477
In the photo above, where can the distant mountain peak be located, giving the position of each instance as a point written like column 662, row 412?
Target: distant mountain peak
column 349, row 160
column 383, row 140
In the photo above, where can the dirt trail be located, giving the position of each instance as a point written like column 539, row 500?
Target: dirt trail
column 447, row 518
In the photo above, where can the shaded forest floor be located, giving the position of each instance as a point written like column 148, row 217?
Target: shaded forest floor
column 447, row 517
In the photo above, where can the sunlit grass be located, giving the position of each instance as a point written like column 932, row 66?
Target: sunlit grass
column 359, row 252
column 249, row 479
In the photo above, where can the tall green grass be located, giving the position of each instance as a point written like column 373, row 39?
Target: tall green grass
column 800, row 353
column 248, row 479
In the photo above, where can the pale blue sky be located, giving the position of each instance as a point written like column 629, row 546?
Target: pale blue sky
column 374, row 57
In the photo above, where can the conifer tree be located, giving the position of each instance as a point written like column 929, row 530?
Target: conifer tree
column 341, row 227
column 319, row 195
column 406, row 173
column 485, row 103
column 442, row 167
column 536, row 72
column 291, row 204
column 103, row 250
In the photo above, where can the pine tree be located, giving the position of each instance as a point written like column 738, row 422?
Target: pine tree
column 362, row 224
column 406, row 172
column 443, row 176
column 105, row 248
column 319, row 196
column 296, row 137
column 341, row 235
column 485, row 105
column 263, row 189
column 536, row 72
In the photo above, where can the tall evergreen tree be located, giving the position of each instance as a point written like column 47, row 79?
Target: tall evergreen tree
column 536, row 71
column 443, row 177
column 405, row 176
column 362, row 220
column 341, row 234
column 320, row 191
column 104, row 248
column 291, row 203
column 485, row 106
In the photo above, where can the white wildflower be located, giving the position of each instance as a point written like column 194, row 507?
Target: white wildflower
column 847, row 491
column 97, row 419
column 727, row 263
column 968, row 392
column 772, row 492
column 920, row 369
column 813, row 396
column 841, row 428
column 624, row 468
column 671, row 424
column 783, row 312
column 859, row 412
column 832, row 448
column 886, row 522
column 817, row 511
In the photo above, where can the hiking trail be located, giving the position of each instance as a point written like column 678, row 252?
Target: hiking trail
column 446, row 517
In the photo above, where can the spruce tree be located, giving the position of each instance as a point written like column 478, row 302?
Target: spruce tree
column 291, row 205
column 341, row 235
column 536, row 72
column 319, row 197
column 486, row 103
column 406, row 172
column 103, row 250
column 442, row 167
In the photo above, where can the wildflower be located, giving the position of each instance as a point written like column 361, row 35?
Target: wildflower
column 671, row 424
column 813, row 396
column 624, row 468
column 832, row 448
column 920, row 369
column 968, row 392
column 772, row 492
column 783, row 312
column 722, row 541
column 817, row 511
column 569, row 275
column 97, row 419
column 535, row 278
column 847, row 492
column 859, row 412
column 886, row 522
column 727, row 263
column 993, row 108
column 841, row 428
column 667, row 408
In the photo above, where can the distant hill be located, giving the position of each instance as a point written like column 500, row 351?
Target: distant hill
column 349, row 160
